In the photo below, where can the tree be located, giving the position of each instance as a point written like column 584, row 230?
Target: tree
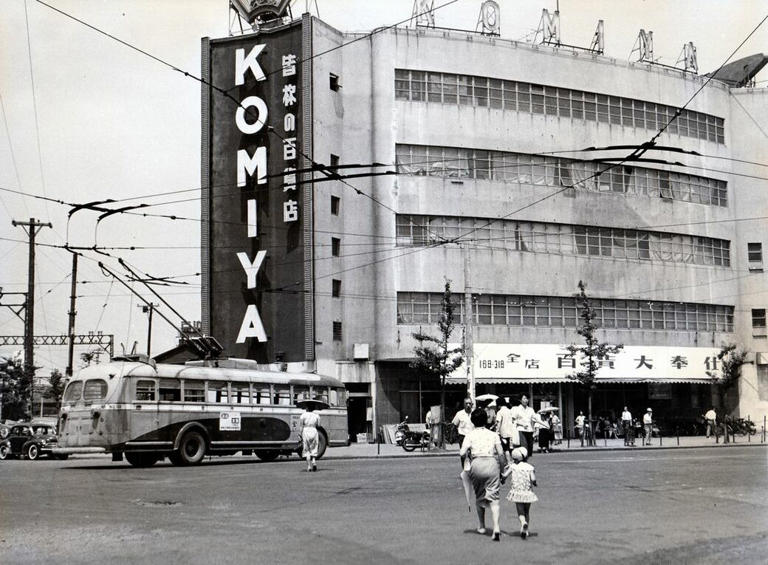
column 56, row 380
column 16, row 388
column 731, row 359
column 434, row 356
column 594, row 352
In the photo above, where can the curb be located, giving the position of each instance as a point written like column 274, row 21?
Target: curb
column 639, row 449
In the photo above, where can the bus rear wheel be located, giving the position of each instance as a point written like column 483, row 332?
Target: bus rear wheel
column 191, row 449
column 267, row 454
column 141, row 459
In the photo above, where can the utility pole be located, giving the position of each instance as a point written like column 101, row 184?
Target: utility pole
column 468, row 325
column 72, row 314
column 31, row 228
column 148, row 309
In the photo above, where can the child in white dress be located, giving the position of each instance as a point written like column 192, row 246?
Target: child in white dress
column 521, row 493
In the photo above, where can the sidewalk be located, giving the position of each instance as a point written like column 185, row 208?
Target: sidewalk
column 388, row 450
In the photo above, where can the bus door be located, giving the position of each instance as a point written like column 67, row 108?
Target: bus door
column 145, row 416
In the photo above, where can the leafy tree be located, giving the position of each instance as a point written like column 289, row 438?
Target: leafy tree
column 56, row 381
column 592, row 352
column 88, row 357
column 434, row 356
column 731, row 359
column 16, row 388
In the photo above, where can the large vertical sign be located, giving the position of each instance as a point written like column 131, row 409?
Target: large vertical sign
column 254, row 230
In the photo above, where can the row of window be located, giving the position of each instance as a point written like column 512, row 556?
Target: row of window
column 466, row 90
column 456, row 162
column 563, row 239
column 217, row 392
column 563, row 312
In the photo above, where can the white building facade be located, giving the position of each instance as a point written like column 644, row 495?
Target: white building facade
column 497, row 192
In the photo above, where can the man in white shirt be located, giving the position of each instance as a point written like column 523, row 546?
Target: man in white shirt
column 711, row 419
column 626, row 425
column 463, row 424
column 648, row 425
column 524, row 416
column 505, row 427
column 580, row 419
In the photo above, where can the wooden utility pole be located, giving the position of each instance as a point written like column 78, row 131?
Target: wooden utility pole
column 31, row 228
column 148, row 309
column 468, row 327
column 72, row 314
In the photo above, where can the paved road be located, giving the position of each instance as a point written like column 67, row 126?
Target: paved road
column 703, row 505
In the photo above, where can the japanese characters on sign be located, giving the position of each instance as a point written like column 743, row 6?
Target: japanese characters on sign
column 256, row 247
column 554, row 362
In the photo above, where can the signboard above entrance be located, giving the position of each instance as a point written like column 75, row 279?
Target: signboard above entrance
column 534, row 363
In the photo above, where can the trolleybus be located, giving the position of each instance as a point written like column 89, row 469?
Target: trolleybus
column 147, row 411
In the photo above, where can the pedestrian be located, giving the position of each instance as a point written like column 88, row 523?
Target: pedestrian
column 626, row 426
column 309, row 421
column 557, row 429
column 648, row 426
column 505, row 427
column 545, row 432
column 463, row 423
column 524, row 420
column 580, row 419
column 711, row 419
column 523, row 478
column 483, row 449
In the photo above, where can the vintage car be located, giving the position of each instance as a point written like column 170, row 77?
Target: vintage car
column 29, row 440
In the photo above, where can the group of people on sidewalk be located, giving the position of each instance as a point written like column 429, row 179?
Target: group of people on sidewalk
column 493, row 450
column 630, row 428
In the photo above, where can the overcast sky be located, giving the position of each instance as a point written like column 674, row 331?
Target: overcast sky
column 85, row 118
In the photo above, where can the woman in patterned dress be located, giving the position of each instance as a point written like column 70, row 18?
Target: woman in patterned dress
column 487, row 456
column 521, row 493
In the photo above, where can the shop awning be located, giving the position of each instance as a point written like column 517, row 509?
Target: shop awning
column 495, row 363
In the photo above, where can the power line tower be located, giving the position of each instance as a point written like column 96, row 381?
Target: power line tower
column 32, row 227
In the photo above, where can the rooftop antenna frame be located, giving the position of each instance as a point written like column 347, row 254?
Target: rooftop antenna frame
column 688, row 58
column 489, row 19
column 257, row 14
column 423, row 13
column 549, row 29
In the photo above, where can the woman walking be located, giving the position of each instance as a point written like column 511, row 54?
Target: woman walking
column 521, row 493
column 308, row 424
column 483, row 448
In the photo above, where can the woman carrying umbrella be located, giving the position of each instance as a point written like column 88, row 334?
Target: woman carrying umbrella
column 308, row 424
column 487, row 456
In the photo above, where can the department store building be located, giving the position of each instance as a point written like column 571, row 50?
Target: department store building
column 507, row 186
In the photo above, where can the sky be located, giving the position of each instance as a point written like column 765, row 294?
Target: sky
column 86, row 118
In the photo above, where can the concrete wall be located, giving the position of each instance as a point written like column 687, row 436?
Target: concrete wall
column 363, row 122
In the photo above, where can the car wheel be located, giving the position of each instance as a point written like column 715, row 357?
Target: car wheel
column 33, row 452
column 4, row 451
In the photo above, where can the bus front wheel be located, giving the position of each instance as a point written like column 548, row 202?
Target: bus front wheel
column 191, row 449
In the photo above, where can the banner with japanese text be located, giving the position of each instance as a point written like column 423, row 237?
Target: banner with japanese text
column 495, row 362
column 255, row 250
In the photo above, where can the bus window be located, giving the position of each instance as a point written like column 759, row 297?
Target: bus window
column 170, row 390
column 240, row 393
column 338, row 397
column 218, row 393
column 261, row 394
column 73, row 392
column 300, row 392
column 145, row 391
column 194, row 391
column 320, row 393
column 281, row 395
column 95, row 389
